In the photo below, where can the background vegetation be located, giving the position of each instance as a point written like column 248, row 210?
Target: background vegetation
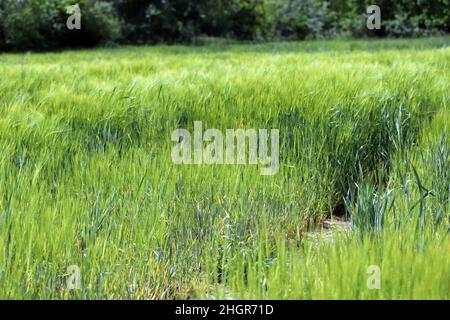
column 40, row 24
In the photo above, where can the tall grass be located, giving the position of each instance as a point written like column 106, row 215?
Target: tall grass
column 86, row 176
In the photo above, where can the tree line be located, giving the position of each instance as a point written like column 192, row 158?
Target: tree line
column 41, row 24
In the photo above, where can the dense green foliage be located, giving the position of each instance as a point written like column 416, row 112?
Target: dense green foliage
column 40, row 24
column 86, row 176
column 37, row 24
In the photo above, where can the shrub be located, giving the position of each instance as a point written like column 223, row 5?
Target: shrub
column 41, row 24
column 100, row 25
column 246, row 18
column 181, row 20
column 150, row 21
column 30, row 24
column 402, row 18
column 301, row 19
column 2, row 33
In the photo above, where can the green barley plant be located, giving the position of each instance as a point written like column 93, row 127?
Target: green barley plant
column 87, row 178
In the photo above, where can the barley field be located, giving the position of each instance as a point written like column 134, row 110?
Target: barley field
column 87, row 178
